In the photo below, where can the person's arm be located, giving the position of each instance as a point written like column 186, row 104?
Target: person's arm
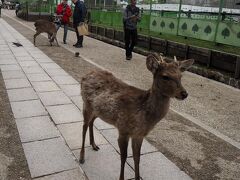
column 80, row 8
column 68, row 11
column 126, row 15
column 139, row 16
column 59, row 11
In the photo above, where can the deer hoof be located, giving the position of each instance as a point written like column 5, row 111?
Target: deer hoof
column 95, row 148
column 82, row 161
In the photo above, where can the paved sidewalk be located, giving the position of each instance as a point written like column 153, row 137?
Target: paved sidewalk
column 47, row 106
column 210, row 104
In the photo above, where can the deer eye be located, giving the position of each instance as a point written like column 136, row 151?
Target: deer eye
column 166, row 78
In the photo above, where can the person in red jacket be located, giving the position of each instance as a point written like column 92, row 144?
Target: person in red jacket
column 66, row 12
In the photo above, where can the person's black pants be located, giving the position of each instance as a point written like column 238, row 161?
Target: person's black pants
column 79, row 38
column 130, row 41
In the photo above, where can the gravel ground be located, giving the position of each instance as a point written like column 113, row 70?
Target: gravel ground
column 196, row 151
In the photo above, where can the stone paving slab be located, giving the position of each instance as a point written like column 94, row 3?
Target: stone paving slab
column 77, row 100
column 74, row 174
column 28, row 63
column 16, row 83
column 56, row 72
column 26, row 109
column 50, row 66
column 45, row 86
column 12, row 67
column 61, row 80
column 3, row 47
column 2, row 42
column 101, row 125
column 65, row 113
column 9, row 56
column 54, row 98
column 112, row 135
column 72, row 133
column 39, row 55
column 38, row 77
column 5, row 52
column 48, row 157
column 21, row 53
column 34, row 50
column 71, row 90
column 21, row 94
column 13, row 75
column 103, row 164
column 7, row 61
column 15, row 49
column 24, row 58
column 43, row 60
column 155, row 166
column 36, row 128
column 33, row 70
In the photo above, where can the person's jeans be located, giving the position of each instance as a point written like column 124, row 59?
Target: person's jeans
column 130, row 41
column 79, row 38
column 65, row 28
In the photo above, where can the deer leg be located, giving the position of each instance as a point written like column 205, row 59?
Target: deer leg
column 123, row 145
column 136, row 147
column 55, row 37
column 91, row 135
column 87, row 114
column 34, row 37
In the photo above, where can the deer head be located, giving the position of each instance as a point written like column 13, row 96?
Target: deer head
column 167, row 76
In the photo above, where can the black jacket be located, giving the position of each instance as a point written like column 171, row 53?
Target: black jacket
column 78, row 13
column 128, row 23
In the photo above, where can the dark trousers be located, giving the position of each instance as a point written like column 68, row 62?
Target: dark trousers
column 130, row 41
column 79, row 38
column 65, row 28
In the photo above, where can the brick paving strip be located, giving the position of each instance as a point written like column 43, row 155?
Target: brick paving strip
column 49, row 120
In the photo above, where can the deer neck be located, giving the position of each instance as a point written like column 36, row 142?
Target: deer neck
column 157, row 105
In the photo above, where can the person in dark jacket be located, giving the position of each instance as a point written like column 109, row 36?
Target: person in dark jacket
column 78, row 17
column 131, row 17
column 66, row 12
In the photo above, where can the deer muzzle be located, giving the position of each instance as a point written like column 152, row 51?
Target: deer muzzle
column 184, row 95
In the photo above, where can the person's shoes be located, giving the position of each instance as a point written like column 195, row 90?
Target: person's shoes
column 75, row 44
column 78, row 46
column 128, row 57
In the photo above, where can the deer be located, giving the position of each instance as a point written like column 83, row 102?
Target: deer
column 47, row 27
column 133, row 111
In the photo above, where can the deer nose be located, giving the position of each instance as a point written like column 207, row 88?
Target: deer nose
column 184, row 94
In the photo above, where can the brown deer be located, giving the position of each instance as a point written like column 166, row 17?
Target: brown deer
column 134, row 112
column 47, row 27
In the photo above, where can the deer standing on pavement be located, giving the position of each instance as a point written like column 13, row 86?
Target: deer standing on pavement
column 47, row 27
column 134, row 112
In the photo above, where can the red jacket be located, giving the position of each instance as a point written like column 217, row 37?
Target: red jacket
column 67, row 12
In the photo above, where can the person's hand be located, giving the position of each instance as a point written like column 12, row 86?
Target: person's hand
column 134, row 18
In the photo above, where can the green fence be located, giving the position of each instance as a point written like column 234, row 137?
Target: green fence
column 215, row 21
column 220, row 25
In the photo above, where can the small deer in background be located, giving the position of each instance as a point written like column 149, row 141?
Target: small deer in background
column 47, row 27
column 134, row 112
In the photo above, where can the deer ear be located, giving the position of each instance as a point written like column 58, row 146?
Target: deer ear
column 152, row 63
column 185, row 65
